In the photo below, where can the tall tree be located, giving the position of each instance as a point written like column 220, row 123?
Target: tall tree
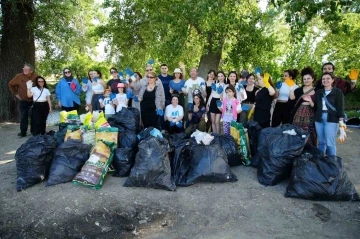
column 17, row 47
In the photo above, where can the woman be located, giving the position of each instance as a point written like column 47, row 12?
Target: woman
column 240, row 91
column 283, row 106
column 196, row 114
column 41, row 106
column 304, row 115
column 216, row 95
column 152, row 101
column 176, row 85
column 174, row 114
column 209, row 82
column 112, row 83
column 263, row 100
column 98, row 88
column 329, row 114
column 68, row 92
column 87, row 87
column 250, row 90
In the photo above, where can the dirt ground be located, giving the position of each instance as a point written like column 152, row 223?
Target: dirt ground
column 244, row 209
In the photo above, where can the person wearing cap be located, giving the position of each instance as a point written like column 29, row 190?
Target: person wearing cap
column 18, row 88
column 152, row 101
column 196, row 114
column 177, row 84
column 107, row 104
column 68, row 92
column 174, row 114
column 120, row 100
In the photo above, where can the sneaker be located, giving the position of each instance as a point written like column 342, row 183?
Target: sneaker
column 21, row 134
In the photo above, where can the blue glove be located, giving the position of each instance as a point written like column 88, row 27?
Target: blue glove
column 129, row 72
column 172, row 123
column 179, row 124
column 202, row 84
column 213, row 86
column 190, row 106
column 239, row 87
column 245, row 108
column 219, row 103
column 160, row 112
column 135, row 98
column 85, row 80
column 150, row 62
column 220, row 89
column 96, row 79
column 278, row 85
column 257, row 70
column 112, row 96
column 156, row 133
column 121, row 75
column 129, row 95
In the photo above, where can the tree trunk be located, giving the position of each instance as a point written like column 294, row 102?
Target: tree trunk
column 209, row 60
column 17, row 47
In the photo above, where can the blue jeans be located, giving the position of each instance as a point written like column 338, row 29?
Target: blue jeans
column 326, row 133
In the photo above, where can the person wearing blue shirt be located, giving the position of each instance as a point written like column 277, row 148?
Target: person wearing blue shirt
column 68, row 92
column 165, row 80
column 176, row 86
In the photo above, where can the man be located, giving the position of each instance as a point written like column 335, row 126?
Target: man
column 345, row 86
column 165, row 79
column 18, row 88
column 193, row 83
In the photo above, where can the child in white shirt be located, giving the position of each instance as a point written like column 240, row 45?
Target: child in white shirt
column 121, row 100
column 106, row 104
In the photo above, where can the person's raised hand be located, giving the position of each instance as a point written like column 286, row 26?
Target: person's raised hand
column 266, row 80
column 353, row 75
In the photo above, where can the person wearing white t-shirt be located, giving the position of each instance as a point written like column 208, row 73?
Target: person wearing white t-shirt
column 41, row 106
column 174, row 114
column 106, row 104
column 284, row 105
column 121, row 100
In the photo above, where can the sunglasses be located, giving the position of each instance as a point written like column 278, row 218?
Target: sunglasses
column 112, row 72
column 66, row 72
column 151, row 77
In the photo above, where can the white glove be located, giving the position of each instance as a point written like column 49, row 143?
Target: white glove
column 29, row 84
column 342, row 124
column 238, row 107
column 127, row 77
column 342, row 135
column 101, row 100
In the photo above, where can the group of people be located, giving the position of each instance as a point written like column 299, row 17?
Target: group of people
column 171, row 103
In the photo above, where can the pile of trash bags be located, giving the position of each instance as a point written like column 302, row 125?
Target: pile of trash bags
column 83, row 152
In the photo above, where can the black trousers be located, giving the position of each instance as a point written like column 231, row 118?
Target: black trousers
column 281, row 114
column 150, row 118
column 24, row 107
column 39, row 115
column 75, row 107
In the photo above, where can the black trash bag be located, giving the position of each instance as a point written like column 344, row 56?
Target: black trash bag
column 354, row 121
column 318, row 177
column 229, row 145
column 201, row 163
column 278, row 152
column 125, row 118
column 127, row 140
column 123, row 161
column 51, row 133
column 33, row 160
column 60, row 136
column 253, row 132
column 112, row 123
column 262, row 137
column 68, row 160
column 144, row 134
column 175, row 139
column 152, row 166
column 136, row 113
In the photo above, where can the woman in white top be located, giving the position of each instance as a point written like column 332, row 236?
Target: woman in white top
column 87, row 88
column 217, row 90
column 98, row 88
column 41, row 106
column 174, row 114
column 283, row 106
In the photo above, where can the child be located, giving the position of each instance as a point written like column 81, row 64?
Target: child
column 230, row 108
column 121, row 100
column 106, row 104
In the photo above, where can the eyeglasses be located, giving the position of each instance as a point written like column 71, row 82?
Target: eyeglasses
column 67, row 72
column 112, row 72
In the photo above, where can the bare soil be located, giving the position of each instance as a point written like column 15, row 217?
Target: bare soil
column 244, row 209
